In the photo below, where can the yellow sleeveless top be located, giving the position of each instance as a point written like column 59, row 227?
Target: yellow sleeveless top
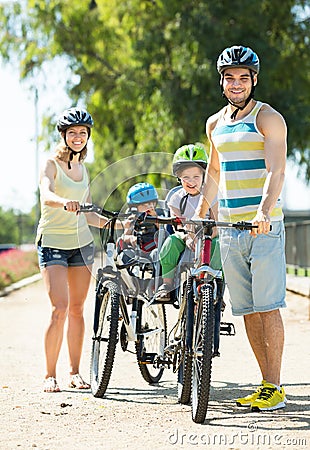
column 58, row 228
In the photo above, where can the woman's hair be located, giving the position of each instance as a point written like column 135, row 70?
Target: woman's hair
column 63, row 152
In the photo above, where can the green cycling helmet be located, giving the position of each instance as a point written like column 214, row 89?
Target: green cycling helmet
column 188, row 156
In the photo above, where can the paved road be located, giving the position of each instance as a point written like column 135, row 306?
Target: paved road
column 134, row 415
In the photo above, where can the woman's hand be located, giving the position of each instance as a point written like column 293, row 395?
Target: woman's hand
column 72, row 205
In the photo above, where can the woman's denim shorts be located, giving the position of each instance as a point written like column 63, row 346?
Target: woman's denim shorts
column 48, row 256
column 254, row 268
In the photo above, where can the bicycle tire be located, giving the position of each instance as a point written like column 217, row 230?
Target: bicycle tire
column 202, row 355
column 105, row 337
column 185, row 380
column 151, row 317
column 185, row 368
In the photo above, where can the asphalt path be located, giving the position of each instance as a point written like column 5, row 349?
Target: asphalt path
column 133, row 414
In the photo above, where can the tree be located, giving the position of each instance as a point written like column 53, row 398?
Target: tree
column 146, row 68
column 17, row 227
column 9, row 229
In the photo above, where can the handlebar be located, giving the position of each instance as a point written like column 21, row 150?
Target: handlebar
column 90, row 207
column 205, row 223
column 174, row 221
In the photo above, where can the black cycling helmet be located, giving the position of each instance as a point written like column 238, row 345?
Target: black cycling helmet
column 74, row 116
column 238, row 56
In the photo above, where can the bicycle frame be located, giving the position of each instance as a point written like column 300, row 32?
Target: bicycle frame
column 129, row 286
column 121, row 298
column 195, row 348
column 118, row 289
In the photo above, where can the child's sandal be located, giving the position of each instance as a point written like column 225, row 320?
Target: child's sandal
column 163, row 292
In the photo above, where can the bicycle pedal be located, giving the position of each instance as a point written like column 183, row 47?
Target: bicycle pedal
column 227, row 329
column 148, row 358
column 162, row 362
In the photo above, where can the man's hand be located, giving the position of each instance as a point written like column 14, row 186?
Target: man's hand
column 263, row 222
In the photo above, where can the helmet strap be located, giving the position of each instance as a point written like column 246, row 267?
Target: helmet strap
column 183, row 203
column 73, row 153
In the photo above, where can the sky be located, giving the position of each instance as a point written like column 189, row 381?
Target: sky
column 22, row 157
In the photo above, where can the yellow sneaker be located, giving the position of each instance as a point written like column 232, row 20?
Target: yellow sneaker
column 249, row 399
column 269, row 398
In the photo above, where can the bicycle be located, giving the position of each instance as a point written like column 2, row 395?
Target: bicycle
column 122, row 296
column 196, row 291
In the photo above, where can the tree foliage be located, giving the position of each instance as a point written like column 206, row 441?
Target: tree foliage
column 16, row 227
column 146, row 68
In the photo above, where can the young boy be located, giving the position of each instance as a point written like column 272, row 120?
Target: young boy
column 141, row 197
column 189, row 164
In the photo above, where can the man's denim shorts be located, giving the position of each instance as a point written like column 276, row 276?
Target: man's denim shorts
column 68, row 258
column 254, row 268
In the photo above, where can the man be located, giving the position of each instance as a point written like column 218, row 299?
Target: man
column 247, row 165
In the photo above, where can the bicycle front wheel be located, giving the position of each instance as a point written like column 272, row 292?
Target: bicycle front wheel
column 186, row 358
column 151, row 341
column 202, row 354
column 105, row 337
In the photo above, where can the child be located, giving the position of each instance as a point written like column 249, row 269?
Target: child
column 142, row 197
column 189, row 164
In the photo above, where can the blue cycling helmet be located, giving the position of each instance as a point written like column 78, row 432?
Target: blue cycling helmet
column 141, row 193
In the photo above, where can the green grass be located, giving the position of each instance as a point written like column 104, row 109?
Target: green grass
column 298, row 271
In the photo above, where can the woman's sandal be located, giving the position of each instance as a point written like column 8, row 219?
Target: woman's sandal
column 77, row 382
column 50, row 385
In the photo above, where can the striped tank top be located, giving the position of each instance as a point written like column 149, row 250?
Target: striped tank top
column 240, row 147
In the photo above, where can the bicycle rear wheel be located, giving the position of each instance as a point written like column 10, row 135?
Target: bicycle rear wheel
column 185, row 367
column 202, row 356
column 105, row 337
column 151, row 341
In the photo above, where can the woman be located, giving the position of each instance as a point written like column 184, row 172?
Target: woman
column 65, row 243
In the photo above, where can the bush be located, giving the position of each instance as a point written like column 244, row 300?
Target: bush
column 15, row 265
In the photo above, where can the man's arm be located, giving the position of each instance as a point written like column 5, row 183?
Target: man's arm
column 272, row 125
column 212, row 177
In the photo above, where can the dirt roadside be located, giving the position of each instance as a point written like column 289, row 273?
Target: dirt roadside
column 134, row 415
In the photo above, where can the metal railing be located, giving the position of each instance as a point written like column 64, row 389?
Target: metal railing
column 297, row 244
